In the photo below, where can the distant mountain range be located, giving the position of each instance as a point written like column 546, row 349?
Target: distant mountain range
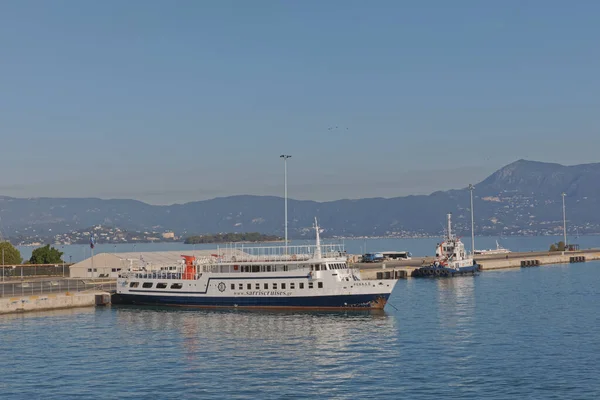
column 522, row 198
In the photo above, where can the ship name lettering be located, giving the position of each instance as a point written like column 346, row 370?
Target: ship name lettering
column 267, row 293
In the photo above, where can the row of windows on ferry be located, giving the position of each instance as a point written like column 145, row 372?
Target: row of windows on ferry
column 272, row 268
column 240, row 286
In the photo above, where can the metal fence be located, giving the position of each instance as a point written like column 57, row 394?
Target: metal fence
column 47, row 286
column 19, row 271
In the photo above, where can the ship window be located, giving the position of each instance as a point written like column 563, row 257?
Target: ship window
column 176, row 286
column 285, row 267
column 274, row 286
column 257, row 286
column 256, row 268
column 161, row 285
column 233, row 286
column 301, row 284
column 310, row 285
column 320, row 285
column 266, row 286
column 292, row 286
column 283, row 285
column 249, row 286
column 241, row 286
column 268, row 268
column 134, row 284
column 89, row 270
column 147, row 285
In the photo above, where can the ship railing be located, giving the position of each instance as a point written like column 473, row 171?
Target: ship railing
column 276, row 253
column 150, row 275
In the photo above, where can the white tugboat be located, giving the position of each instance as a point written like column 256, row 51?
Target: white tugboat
column 307, row 277
column 451, row 258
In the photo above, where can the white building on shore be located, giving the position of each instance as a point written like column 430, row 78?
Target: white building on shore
column 108, row 265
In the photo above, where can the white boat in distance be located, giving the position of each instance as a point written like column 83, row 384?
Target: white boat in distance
column 304, row 277
column 498, row 250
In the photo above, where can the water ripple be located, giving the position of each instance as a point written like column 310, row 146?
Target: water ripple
column 528, row 333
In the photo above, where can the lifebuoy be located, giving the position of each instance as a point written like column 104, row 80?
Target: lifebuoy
column 235, row 267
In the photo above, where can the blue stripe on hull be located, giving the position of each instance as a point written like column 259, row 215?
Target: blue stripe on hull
column 315, row 302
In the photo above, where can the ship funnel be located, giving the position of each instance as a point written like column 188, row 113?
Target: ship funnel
column 189, row 267
column 318, row 241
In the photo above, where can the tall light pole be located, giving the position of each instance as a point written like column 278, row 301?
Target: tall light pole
column 564, row 220
column 285, row 158
column 471, row 188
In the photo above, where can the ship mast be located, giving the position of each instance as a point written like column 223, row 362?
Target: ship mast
column 449, row 226
column 318, row 241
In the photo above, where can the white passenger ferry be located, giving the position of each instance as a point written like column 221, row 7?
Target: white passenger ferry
column 316, row 277
column 497, row 251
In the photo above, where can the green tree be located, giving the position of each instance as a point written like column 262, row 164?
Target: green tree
column 46, row 255
column 553, row 247
column 12, row 256
column 560, row 246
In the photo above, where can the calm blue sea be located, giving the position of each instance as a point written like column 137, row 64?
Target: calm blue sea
column 523, row 333
column 418, row 247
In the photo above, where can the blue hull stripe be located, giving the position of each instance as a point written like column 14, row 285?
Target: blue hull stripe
column 341, row 301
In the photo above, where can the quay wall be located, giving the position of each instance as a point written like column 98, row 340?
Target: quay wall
column 545, row 259
column 403, row 269
column 52, row 301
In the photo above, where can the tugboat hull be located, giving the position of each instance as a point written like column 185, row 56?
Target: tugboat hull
column 445, row 272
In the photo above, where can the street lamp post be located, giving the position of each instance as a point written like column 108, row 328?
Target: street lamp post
column 63, row 260
column 471, row 188
column 285, row 158
column 564, row 220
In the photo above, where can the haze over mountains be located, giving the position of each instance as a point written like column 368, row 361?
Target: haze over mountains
column 522, row 198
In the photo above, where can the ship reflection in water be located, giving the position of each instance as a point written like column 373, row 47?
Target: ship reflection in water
column 235, row 342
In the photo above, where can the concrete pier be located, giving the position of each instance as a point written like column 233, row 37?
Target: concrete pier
column 402, row 269
column 53, row 301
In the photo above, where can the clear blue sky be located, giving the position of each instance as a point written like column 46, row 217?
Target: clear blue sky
column 177, row 101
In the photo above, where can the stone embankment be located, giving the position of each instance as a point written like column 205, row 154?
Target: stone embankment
column 53, row 301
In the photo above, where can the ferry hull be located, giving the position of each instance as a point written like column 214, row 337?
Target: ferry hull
column 358, row 301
